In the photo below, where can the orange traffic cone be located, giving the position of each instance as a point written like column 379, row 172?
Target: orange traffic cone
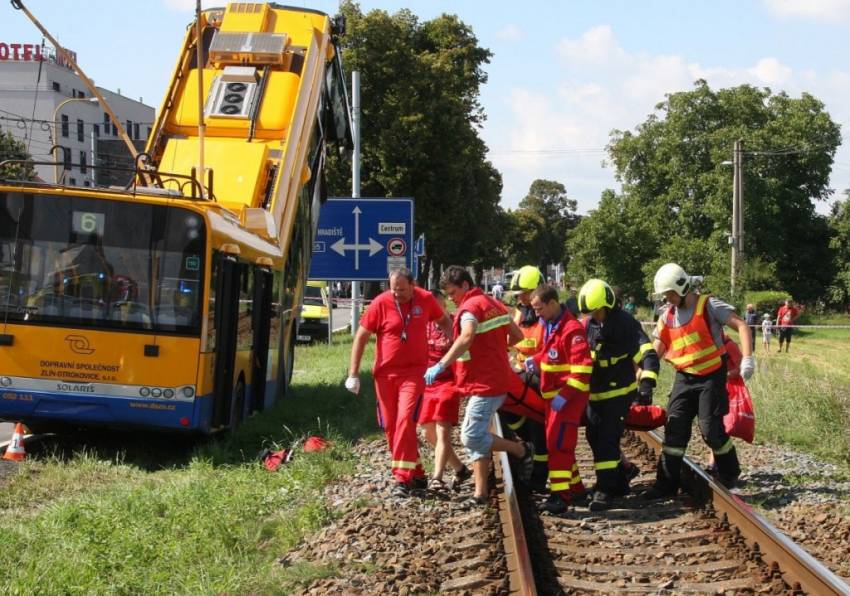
column 15, row 451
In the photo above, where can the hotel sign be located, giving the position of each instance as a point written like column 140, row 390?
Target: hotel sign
column 31, row 52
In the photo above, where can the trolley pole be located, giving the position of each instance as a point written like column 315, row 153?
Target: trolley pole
column 355, row 185
column 737, row 240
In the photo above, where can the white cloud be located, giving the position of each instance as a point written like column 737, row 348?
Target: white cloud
column 604, row 87
column 510, row 33
column 826, row 11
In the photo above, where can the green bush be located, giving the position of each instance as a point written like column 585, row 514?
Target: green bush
column 766, row 300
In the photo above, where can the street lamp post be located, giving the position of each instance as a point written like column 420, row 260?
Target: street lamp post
column 56, row 125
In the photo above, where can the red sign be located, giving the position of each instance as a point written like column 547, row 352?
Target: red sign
column 31, row 52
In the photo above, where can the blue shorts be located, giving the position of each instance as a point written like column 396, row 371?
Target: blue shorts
column 475, row 432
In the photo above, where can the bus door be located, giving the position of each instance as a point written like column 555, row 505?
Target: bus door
column 261, row 324
column 226, row 320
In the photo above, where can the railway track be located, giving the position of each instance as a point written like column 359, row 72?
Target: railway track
column 708, row 541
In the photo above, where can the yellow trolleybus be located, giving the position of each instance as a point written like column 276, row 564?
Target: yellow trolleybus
column 172, row 303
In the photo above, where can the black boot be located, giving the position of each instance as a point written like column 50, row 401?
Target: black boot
column 666, row 478
column 728, row 468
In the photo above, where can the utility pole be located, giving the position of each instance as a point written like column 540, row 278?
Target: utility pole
column 737, row 239
column 355, row 185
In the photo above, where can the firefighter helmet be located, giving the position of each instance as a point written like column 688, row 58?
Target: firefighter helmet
column 671, row 278
column 595, row 294
column 526, row 278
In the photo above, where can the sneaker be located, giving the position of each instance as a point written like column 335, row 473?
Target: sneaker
column 459, row 478
column 401, row 490
column 600, row 502
column 658, row 491
column 526, row 463
column 555, row 505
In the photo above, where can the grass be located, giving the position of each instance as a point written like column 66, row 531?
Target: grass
column 206, row 518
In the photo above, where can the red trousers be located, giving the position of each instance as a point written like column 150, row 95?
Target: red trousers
column 399, row 401
column 561, row 438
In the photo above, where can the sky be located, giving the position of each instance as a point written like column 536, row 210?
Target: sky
column 563, row 74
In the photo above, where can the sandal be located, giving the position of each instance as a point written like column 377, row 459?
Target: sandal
column 438, row 487
column 475, row 502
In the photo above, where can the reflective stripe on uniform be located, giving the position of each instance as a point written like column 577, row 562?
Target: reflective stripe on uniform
column 541, row 457
column 606, row 465
column 564, row 475
column 696, row 369
column 644, row 348
column 613, row 392
column 517, row 424
column 576, row 368
column 550, row 394
column 404, row 465
column 557, row 486
column 649, row 374
column 674, row 451
column 612, row 361
column 727, row 447
column 685, row 341
column 578, row 384
column 493, row 323
column 693, row 355
column 528, row 342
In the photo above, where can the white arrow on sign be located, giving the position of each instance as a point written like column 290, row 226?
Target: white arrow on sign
column 340, row 246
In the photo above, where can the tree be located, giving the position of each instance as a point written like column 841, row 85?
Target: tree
column 420, row 116
column 671, row 166
column 839, row 223
column 12, row 148
column 544, row 218
column 613, row 242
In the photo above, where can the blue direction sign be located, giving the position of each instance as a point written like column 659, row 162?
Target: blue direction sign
column 362, row 239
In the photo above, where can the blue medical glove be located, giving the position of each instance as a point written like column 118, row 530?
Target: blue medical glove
column 531, row 366
column 558, row 402
column 432, row 373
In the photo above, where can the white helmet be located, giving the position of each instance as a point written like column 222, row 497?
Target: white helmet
column 671, row 277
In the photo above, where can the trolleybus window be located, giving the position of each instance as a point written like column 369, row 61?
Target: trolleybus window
column 98, row 263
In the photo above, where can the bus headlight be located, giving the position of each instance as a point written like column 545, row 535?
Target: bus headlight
column 156, row 392
column 168, row 393
column 144, row 392
column 188, row 391
column 5, row 381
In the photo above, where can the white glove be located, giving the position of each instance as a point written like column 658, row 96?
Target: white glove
column 748, row 367
column 353, row 384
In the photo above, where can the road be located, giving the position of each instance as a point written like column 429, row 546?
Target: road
column 6, row 430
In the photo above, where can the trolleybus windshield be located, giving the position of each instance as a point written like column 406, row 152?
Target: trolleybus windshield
column 97, row 263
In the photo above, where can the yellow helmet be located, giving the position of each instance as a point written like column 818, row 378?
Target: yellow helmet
column 526, row 278
column 594, row 295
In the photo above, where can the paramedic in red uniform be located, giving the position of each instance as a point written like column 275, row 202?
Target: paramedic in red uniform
column 565, row 366
column 483, row 330
column 399, row 317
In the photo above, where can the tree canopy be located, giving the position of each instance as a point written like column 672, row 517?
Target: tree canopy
column 12, row 148
column 677, row 192
column 420, row 115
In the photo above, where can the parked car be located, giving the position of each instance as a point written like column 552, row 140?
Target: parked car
column 313, row 322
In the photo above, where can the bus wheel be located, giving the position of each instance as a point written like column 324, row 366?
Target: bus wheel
column 238, row 411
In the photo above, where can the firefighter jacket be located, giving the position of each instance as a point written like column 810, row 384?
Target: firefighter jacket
column 691, row 348
column 532, row 332
column 619, row 345
column 484, row 370
column 564, row 362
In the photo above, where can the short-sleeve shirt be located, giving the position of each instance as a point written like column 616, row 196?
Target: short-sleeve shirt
column 387, row 320
column 786, row 316
column 717, row 311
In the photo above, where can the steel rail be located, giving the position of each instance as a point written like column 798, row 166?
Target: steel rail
column 798, row 568
column 517, row 558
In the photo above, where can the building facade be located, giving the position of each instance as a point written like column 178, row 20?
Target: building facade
column 45, row 104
